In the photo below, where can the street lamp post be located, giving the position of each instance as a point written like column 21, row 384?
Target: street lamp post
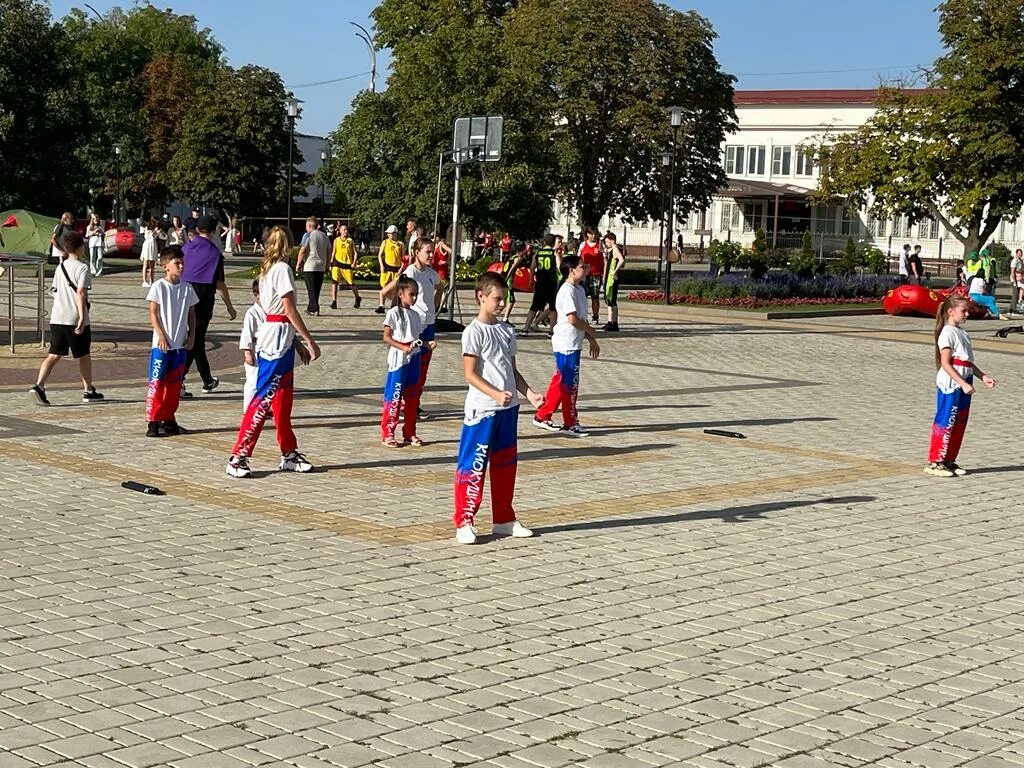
column 666, row 161
column 292, row 105
column 117, row 184
column 675, row 120
column 365, row 36
column 323, row 162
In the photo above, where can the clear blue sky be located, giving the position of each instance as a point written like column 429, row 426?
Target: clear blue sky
column 763, row 43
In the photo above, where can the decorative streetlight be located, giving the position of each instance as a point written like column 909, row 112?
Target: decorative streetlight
column 675, row 120
column 292, row 105
column 365, row 36
column 117, row 184
column 324, row 154
column 666, row 161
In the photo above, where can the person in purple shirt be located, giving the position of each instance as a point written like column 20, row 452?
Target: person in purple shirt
column 204, row 269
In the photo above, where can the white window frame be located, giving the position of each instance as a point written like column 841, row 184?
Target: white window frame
column 850, row 223
column 804, row 165
column 782, row 160
column 729, row 218
column 755, row 159
column 900, row 227
column 752, row 215
column 824, row 217
column 734, row 154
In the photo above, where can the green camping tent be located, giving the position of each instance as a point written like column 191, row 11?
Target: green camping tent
column 31, row 235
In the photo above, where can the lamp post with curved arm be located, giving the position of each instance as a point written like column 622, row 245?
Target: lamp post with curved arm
column 292, row 107
column 365, row 36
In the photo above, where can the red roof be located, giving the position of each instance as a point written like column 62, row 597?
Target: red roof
column 794, row 97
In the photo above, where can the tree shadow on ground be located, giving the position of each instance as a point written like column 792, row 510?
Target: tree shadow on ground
column 727, row 515
column 997, row 470
column 678, row 425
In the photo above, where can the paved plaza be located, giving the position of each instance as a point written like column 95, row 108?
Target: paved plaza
column 806, row 597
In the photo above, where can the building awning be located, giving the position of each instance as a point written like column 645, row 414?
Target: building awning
column 747, row 188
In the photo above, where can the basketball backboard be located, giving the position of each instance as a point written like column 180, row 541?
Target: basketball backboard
column 478, row 138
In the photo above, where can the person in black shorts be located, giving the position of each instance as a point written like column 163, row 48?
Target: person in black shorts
column 613, row 261
column 545, row 287
column 70, row 332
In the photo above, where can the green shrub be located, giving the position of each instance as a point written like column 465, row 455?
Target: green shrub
column 804, row 263
column 851, row 260
column 875, row 260
column 724, row 254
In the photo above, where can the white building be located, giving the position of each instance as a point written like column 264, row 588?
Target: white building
column 770, row 176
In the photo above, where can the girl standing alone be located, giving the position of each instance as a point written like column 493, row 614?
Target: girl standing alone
column 954, row 360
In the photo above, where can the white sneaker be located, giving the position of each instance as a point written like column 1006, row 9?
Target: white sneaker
column 294, row 462
column 466, row 534
column 547, row 424
column 145, row 284
column 576, row 430
column 515, row 529
column 238, row 466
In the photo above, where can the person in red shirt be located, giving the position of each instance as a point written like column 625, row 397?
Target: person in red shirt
column 506, row 247
column 590, row 254
column 442, row 252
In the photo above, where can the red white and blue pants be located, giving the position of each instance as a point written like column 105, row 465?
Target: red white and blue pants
column 401, row 401
column 428, row 335
column 563, row 389
column 274, row 395
column 951, row 413
column 488, row 441
column 166, row 372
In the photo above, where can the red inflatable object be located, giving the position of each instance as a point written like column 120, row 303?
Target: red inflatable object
column 921, row 301
column 522, row 280
column 124, row 240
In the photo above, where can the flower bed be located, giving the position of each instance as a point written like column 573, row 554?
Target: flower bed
column 775, row 289
column 747, row 302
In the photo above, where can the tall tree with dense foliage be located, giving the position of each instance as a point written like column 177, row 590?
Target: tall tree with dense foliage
column 39, row 112
column 598, row 77
column 955, row 150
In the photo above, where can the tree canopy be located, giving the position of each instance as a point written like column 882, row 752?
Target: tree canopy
column 954, row 150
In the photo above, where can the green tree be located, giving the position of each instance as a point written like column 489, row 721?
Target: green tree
column 597, row 79
column 954, row 151
column 39, row 112
column 233, row 148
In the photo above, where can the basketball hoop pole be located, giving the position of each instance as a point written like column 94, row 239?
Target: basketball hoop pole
column 457, row 159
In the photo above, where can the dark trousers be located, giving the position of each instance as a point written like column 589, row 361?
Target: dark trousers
column 314, row 282
column 204, row 314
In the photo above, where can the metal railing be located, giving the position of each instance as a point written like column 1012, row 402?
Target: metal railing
column 9, row 265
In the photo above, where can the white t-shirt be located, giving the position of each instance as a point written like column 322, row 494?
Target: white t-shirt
column 273, row 340
column 977, row 285
column 406, row 326
column 255, row 316
column 318, row 245
column 958, row 343
column 571, row 298
column 428, row 280
column 175, row 300
column 904, row 263
column 494, row 346
column 65, row 307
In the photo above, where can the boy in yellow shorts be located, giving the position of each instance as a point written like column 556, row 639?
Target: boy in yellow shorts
column 389, row 258
column 343, row 262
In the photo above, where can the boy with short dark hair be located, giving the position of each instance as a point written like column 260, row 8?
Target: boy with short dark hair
column 491, row 414
column 172, row 313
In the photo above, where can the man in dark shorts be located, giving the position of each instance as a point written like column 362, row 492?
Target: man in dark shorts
column 614, row 260
column 545, row 287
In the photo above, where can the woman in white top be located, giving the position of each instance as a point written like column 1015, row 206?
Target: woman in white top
column 275, row 361
column 976, row 291
column 95, row 234
column 176, row 234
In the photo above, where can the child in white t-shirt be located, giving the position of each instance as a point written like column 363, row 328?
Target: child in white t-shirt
column 172, row 313
column 255, row 316
column 567, row 344
column 275, row 349
column 492, row 413
column 402, row 328
column 954, row 359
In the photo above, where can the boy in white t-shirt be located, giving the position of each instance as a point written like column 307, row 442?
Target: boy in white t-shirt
column 567, row 344
column 172, row 313
column 492, row 412
column 70, row 331
column 255, row 316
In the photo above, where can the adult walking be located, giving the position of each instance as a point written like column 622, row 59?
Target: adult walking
column 94, row 232
column 64, row 226
column 312, row 262
column 204, row 269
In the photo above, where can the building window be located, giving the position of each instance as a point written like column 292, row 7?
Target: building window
column 753, row 216
column 804, row 162
column 928, row 229
column 900, row 227
column 824, row 219
column 851, row 221
column 781, row 158
column 730, row 217
column 876, row 227
column 734, row 160
column 755, row 160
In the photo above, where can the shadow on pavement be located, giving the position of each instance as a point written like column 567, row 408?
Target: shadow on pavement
column 728, row 515
column 672, row 427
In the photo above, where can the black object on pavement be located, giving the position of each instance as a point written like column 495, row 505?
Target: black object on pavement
column 152, row 490
column 725, row 433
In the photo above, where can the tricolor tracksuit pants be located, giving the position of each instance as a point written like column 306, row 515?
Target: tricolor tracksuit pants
column 401, row 399
column 166, row 372
column 428, row 335
column 488, row 440
column 951, row 413
column 273, row 395
column 563, row 389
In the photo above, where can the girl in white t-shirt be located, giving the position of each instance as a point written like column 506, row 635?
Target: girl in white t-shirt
column 275, row 361
column 402, row 328
column 954, row 361
column 150, row 250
